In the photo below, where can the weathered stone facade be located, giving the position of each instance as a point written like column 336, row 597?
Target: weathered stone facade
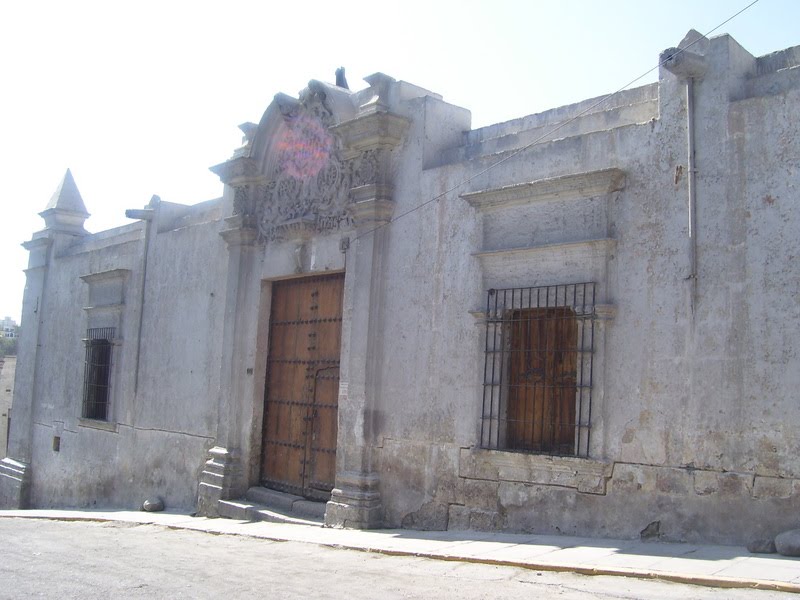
column 675, row 201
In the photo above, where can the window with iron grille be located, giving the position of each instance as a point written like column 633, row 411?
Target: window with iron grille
column 97, row 373
column 537, row 390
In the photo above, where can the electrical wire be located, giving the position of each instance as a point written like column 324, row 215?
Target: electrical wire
column 550, row 132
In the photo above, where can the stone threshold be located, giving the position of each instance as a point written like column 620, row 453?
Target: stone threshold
column 263, row 504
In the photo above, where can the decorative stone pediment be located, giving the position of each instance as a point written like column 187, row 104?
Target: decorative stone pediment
column 296, row 175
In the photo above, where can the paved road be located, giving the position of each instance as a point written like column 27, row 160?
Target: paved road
column 56, row 559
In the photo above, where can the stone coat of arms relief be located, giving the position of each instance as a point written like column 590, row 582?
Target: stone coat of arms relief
column 307, row 188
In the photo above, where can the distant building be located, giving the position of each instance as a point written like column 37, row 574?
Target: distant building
column 7, row 369
column 8, row 328
column 582, row 321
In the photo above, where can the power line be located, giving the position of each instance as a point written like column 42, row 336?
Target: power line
column 549, row 133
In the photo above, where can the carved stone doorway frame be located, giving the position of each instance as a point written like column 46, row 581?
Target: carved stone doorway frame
column 374, row 136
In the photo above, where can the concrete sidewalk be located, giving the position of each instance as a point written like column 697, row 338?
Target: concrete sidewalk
column 718, row 566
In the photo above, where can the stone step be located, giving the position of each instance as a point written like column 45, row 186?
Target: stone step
column 263, row 504
column 288, row 502
column 248, row 511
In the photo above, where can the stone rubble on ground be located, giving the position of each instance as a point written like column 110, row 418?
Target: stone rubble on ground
column 788, row 543
column 762, row 546
column 154, row 504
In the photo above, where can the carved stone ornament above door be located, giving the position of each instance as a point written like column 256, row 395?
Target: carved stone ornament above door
column 302, row 185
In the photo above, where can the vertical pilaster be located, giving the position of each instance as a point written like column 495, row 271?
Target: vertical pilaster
column 224, row 475
column 356, row 500
column 64, row 217
column 15, row 468
column 604, row 319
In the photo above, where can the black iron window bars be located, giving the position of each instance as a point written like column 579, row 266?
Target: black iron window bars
column 97, row 373
column 537, row 391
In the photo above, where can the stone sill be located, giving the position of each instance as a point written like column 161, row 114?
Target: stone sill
column 95, row 424
column 602, row 312
column 567, row 187
column 586, row 475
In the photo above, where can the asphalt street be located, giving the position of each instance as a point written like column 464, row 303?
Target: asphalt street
column 70, row 559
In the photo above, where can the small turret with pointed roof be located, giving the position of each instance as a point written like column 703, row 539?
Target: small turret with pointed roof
column 66, row 212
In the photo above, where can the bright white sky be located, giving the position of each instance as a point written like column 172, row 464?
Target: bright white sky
column 140, row 98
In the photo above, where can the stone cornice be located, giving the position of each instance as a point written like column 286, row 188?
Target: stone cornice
column 238, row 171
column 566, row 187
column 238, row 231
column 39, row 249
column 371, row 131
column 371, row 205
column 38, row 242
column 61, row 220
column 371, row 191
column 371, row 213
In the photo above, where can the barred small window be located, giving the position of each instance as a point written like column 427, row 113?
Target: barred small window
column 97, row 373
column 537, row 391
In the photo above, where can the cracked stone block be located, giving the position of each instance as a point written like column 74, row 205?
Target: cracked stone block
column 458, row 518
column 673, row 481
column 772, row 487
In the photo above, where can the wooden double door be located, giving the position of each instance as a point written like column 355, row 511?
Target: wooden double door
column 302, row 387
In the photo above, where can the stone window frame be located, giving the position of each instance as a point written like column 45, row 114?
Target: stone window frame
column 98, row 368
column 106, row 303
column 576, row 254
column 498, row 320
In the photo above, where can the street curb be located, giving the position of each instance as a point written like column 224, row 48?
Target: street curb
column 702, row 580
column 706, row 581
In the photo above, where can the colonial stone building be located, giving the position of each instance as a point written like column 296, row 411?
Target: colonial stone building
column 581, row 321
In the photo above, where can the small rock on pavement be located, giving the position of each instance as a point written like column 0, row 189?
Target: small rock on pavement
column 762, row 547
column 153, row 505
column 788, row 542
